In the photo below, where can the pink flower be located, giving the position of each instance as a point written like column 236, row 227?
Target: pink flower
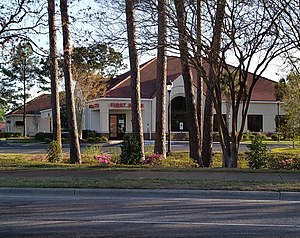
column 103, row 159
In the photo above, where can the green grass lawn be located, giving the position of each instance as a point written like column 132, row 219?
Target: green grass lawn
column 177, row 162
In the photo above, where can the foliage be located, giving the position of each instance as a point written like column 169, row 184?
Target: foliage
column 101, row 139
column 98, row 58
column 291, row 106
column 90, row 152
column 88, row 133
column 104, row 159
column 54, row 152
column 9, row 134
column 19, row 74
column 179, row 159
column 131, row 150
column 257, row 154
column 284, row 158
column 154, row 159
column 43, row 135
column 280, row 89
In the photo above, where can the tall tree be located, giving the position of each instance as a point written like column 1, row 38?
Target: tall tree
column 54, row 75
column 291, row 106
column 22, row 71
column 160, row 126
column 266, row 40
column 137, row 126
column 73, row 131
column 200, row 76
column 188, row 84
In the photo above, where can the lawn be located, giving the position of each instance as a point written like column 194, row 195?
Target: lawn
column 177, row 162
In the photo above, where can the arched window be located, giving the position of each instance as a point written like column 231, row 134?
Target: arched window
column 178, row 114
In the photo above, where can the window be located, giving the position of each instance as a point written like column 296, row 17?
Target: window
column 255, row 123
column 19, row 123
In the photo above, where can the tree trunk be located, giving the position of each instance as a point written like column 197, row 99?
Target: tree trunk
column 199, row 75
column 160, row 126
column 73, row 132
column 137, row 126
column 24, row 95
column 188, row 84
column 54, row 74
column 213, row 74
column 207, row 129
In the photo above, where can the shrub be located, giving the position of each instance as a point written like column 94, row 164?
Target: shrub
column 91, row 139
column 179, row 159
column 131, row 150
column 277, row 160
column 275, row 137
column 88, row 133
column 104, row 159
column 257, row 154
column 245, row 137
column 154, row 159
column 115, row 154
column 54, row 152
column 43, row 135
column 90, row 152
column 10, row 134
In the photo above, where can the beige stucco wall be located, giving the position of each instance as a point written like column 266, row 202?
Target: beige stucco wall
column 31, row 129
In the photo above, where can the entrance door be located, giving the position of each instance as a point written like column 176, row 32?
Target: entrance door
column 117, row 126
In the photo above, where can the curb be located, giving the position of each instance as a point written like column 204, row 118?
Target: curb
column 150, row 193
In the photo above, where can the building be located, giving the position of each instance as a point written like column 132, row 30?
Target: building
column 38, row 116
column 111, row 115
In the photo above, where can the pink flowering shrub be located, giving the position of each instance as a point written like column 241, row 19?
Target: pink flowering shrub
column 289, row 164
column 154, row 159
column 104, row 159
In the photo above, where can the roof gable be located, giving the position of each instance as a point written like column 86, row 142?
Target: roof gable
column 119, row 87
column 37, row 104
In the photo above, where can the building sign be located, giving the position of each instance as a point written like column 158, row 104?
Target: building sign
column 94, row 106
column 122, row 105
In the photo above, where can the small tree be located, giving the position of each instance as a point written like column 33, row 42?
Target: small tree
column 257, row 154
column 291, row 106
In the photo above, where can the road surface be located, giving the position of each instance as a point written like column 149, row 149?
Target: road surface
column 135, row 213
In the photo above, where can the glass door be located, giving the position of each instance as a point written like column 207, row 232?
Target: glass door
column 117, row 126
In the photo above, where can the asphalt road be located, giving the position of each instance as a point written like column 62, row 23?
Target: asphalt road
column 133, row 213
column 37, row 148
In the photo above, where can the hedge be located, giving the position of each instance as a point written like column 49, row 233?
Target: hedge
column 10, row 134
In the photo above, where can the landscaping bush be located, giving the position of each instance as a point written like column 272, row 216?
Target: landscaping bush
column 43, row 135
column 154, row 159
column 54, row 152
column 88, row 133
column 245, row 137
column 104, row 159
column 90, row 152
column 257, row 154
column 131, row 150
column 179, row 159
column 280, row 160
column 10, row 134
